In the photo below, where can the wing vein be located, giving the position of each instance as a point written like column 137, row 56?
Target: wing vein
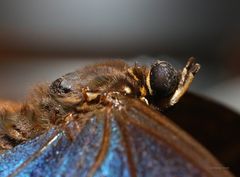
column 126, row 142
column 158, row 137
column 104, row 146
column 36, row 154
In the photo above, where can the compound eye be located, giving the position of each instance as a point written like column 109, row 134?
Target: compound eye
column 164, row 79
column 61, row 86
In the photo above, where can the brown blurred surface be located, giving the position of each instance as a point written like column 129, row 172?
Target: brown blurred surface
column 213, row 125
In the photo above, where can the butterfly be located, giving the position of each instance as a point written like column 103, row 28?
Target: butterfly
column 104, row 120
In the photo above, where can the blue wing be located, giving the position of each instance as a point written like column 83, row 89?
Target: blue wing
column 131, row 141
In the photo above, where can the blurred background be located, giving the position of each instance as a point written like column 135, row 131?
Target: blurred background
column 41, row 40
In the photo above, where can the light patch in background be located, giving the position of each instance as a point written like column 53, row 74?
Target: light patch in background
column 227, row 93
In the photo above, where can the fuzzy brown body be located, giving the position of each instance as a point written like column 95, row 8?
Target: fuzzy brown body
column 41, row 110
column 48, row 104
column 78, row 92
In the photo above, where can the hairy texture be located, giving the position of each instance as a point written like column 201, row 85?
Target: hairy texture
column 16, row 124
column 23, row 121
column 46, row 109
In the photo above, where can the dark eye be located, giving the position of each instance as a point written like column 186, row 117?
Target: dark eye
column 61, row 86
column 163, row 79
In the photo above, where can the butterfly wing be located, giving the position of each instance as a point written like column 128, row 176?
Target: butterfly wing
column 54, row 154
column 12, row 161
column 161, row 148
column 128, row 140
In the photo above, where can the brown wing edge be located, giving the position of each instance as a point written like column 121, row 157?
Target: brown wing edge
column 186, row 145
